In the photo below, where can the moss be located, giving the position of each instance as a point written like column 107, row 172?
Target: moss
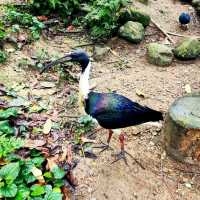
column 132, row 31
column 159, row 54
column 188, row 49
column 133, row 14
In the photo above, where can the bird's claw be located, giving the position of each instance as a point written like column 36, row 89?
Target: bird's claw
column 122, row 156
column 104, row 147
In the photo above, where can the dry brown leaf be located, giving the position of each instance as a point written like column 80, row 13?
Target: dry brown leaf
column 64, row 154
column 38, row 174
column 67, row 193
column 34, row 143
column 51, row 163
column 47, row 126
column 86, row 140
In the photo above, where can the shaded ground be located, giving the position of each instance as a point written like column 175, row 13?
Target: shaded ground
column 98, row 179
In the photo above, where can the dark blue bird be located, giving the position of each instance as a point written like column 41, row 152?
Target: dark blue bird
column 186, row 1
column 112, row 111
column 184, row 18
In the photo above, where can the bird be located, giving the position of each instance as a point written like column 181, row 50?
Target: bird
column 112, row 111
column 184, row 20
column 185, row 1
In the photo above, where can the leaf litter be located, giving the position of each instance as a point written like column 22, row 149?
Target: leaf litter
column 38, row 129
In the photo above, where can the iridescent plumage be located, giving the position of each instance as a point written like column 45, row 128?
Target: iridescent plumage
column 114, row 111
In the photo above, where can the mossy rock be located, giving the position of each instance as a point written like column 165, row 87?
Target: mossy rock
column 196, row 5
column 181, row 130
column 133, row 14
column 159, row 54
column 132, row 31
column 188, row 49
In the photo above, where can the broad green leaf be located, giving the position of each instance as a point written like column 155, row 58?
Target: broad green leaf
column 37, row 161
column 37, row 190
column 22, row 193
column 53, row 196
column 8, row 190
column 58, row 172
column 5, row 128
column 10, row 171
column 10, row 112
column 59, row 183
column 48, row 175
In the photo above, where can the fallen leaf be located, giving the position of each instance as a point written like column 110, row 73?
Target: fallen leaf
column 51, row 163
column 34, row 143
column 42, row 18
column 47, row 126
column 38, row 174
column 67, row 193
column 46, row 84
column 64, row 154
column 188, row 88
column 70, row 28
column 86, row 140
column 140, row 93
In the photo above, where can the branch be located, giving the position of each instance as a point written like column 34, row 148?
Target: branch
column 163, row 31
column 179, row 35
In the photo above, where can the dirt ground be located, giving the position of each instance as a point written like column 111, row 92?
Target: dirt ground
column 160, row 178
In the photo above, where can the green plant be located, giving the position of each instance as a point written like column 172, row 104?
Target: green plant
column 61, row 7
column 3, row 57
column 102, row 20
column 84, row 125
column 18, row 180
column 26, row 20
column 9, row 145
column 8, row 174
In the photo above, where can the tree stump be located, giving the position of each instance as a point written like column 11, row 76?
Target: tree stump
column 182, row 130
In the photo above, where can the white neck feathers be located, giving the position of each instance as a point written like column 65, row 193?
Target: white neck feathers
column 84, row 81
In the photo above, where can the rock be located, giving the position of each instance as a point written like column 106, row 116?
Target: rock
column 132, row 31
column 196, row 5
column 188, row 49
column 100, row 52
column 159, row 54
column 181, row 131
column 133, row 14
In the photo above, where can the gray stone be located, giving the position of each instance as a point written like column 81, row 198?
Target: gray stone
column 188, row 49
column 100, row 52
column 132, row 31
column 133, row 14
column 159, row 54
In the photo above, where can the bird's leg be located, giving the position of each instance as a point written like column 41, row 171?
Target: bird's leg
column 106, row 146
column 122, row 153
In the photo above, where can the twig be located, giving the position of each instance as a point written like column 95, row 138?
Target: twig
column 179, row 35
column 163, row 31
column 70, row 116
column 83, row 45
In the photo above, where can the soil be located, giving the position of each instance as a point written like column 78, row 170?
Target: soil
column 126, row 71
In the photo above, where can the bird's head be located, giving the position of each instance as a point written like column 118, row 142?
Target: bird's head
column 78, row 55
column 184, row 18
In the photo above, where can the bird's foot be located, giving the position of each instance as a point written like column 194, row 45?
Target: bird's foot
column 103, row 147
column 122, row 156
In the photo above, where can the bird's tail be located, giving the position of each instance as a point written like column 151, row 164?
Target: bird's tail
column 153, row 115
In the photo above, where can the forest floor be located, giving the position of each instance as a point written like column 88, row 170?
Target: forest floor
column 125, row 71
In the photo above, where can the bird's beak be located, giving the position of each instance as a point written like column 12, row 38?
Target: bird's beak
column 65, row 58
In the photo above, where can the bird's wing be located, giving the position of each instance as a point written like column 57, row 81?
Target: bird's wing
column 115, row 111
column 99, row 103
